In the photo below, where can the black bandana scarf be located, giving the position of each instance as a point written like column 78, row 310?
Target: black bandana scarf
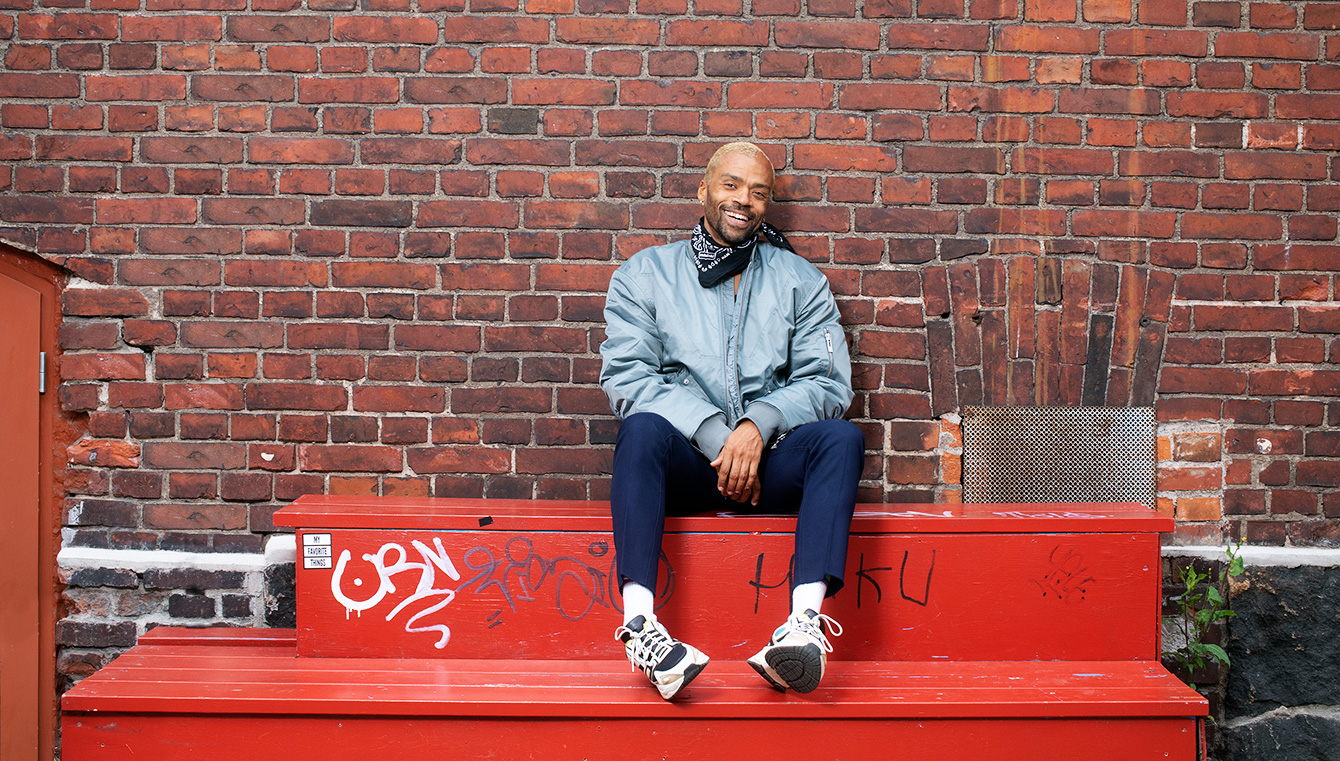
column 717, row 262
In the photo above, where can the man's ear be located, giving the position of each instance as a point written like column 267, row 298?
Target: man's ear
column 702, row 190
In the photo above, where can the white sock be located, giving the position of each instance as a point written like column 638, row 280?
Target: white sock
column 637, row 601
column 807, row 597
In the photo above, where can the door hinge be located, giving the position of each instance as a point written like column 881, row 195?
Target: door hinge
column 41, row 372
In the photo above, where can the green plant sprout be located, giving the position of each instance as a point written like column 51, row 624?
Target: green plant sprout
column 1201, row 605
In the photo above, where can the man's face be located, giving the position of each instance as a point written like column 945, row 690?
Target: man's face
column 735, row 197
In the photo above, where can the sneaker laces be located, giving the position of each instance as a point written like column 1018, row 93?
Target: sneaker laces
column 814, row 629
column 647, row 647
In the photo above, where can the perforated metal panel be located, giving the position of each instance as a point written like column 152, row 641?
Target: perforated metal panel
column 1059, row 454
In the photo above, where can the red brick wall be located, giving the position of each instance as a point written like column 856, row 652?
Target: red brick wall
column 328, row 250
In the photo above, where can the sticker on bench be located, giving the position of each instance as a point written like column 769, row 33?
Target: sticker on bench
column 316, row 551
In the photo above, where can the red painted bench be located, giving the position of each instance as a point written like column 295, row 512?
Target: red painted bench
column 484, row 628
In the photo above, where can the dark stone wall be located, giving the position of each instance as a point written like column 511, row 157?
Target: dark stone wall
column 281, row 602
column 1283, row 690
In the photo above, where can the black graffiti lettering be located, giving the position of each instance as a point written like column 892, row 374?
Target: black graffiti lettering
column 759, row 586
column 481, row 559
column 1067, row 578
column 926, row 590
column 578, row 586
column 864, row 575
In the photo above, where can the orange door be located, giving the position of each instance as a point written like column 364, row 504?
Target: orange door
column 21, row 702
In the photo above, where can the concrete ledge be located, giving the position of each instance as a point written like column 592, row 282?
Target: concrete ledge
column 1254, row 556
column 143, row 560
column 281, row 548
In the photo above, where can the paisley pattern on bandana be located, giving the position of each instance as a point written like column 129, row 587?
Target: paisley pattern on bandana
column 717, row 262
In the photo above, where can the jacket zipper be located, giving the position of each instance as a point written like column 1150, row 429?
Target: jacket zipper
column 828, row 340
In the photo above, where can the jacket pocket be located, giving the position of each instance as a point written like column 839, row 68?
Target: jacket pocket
column 683, row 378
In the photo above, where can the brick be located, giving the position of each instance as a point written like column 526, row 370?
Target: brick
column 1201, row 380
column 171, row 28
column 194, row 455
column 1267, row 45
column 295, row 150
column 579, row 215
column 455, row 90
column 625, row 153
column 1218, row 105
column 1156, row 42
column 286, row 28
column 434, row 460
column 705, row 32
column 1017, row 100
column 939, row 36
column 493, row 30
column 252, row 211
column 1046, row 39
column 1269, row 165
column 275, row 273
column 586, row 31
column 102, row 366
column 26, row 86
column 68, row 26
column 365, row 89
column 1243, row 226
column 905, row 220
column 409, row 30
column 1063, row 161
column 764, row 95
column 1109, row 101
column 877, row 96
column 103, row 453
column 338, row 336
column 827, row 34
column 517, row 152
column 1167, row 163
column 845, row 158
column 1014, row 221
column 383, row 275
column 683, row 93
column 74, row 633
column 550, row 91
column 232, row 334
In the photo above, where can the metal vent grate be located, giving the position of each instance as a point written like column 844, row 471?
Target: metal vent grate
column 1059, row 454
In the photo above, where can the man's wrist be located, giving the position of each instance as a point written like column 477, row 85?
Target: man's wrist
column 766, row 418
column 711, row 436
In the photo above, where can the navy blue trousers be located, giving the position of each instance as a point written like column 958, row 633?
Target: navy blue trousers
column 812, row 471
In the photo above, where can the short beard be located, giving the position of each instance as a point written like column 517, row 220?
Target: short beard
column 714, row 226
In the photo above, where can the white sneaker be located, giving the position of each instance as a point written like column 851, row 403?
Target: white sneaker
column 667, row 662
column 798, row 652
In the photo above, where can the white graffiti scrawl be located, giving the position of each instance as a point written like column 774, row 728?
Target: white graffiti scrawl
column 434, row 558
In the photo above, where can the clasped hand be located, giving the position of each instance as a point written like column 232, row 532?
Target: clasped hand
column 737, row 465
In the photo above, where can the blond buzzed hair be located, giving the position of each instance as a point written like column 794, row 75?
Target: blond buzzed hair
column 748, row 149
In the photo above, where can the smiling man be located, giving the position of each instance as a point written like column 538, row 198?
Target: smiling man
column 727, row 366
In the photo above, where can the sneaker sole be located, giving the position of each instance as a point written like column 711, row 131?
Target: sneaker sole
column 763, row 672
column 800, row 668
column 690, row 674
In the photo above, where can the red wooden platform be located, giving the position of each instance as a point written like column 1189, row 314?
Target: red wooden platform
column 983, row 632
column 536, row 580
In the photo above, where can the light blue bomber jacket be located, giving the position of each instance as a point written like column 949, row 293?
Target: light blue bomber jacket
column 707, row 358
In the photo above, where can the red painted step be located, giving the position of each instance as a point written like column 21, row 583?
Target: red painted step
column 517, row 579
column 974, row 633
column 252, row 698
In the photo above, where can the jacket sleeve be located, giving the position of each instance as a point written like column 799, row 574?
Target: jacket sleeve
column 819, row 385
column 633, row 372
